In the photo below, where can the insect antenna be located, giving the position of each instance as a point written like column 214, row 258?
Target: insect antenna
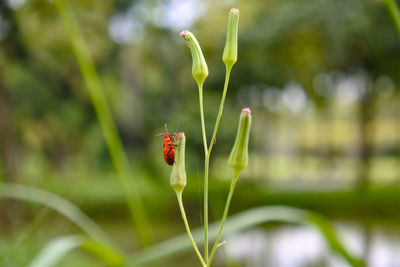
column 166, row 131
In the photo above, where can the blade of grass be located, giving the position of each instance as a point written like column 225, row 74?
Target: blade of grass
column 234, row 224
column 105, row 118
column 58, row 204
column 394, row 12
column 246, row 220
column 57, row 248
column 24, row 235
column 326, row 229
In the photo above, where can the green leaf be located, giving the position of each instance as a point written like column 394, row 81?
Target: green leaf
column 58, row 204
column 395, row 13
column 245, row 220
column 106, row 254
column 56, row 249
column 104, row 115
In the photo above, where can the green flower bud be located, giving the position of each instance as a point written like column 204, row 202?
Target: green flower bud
column 178, row 174
column 239, row 154
column 199, row 67
column 231, row 45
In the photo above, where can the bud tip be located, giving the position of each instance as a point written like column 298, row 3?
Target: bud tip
column 179, row 135
column 183, row 33
column 246, row 111
column 234, row 10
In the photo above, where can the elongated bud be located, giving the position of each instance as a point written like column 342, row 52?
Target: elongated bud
column 199, row 66
column 178, row 174
column 239, row 155
column 231, row 45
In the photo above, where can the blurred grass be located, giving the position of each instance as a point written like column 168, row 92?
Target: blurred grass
column 58, row 248
column 105, row 118
column 394, row 11
column 59, row 204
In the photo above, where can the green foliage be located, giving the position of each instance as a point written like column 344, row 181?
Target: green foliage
column 60, row 205
column 107, row 124
column 246, row 220
column 394, row 11
column 51, row 138
column 99, row 245
column 56, row 249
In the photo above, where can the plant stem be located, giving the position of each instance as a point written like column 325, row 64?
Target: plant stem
column 203, row 126
column 182, row 209
column 227, row 204
column 107, row 124
column 221, row 108
column 206, row 164
column 207, row 161
column 203, row 130
column 394, row 11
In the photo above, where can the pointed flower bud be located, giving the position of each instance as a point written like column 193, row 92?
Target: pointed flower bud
column 178, row 174
column 199, row 67
column 231, row 45
column 239, row 154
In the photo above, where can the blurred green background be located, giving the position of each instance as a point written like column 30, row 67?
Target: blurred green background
column 322, row 80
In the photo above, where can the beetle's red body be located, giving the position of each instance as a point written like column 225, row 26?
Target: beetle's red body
column 169, row 149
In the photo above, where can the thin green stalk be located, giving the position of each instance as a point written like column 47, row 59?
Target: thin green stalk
column 182, row 208
column 203, row 130
column 394, row 11
column 224, row 216
column 207, row 161
column 105, row 118
column 221, row 108
column 206, row 166
column 203, row 125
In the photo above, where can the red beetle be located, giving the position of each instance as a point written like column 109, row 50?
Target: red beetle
column 169, row 147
